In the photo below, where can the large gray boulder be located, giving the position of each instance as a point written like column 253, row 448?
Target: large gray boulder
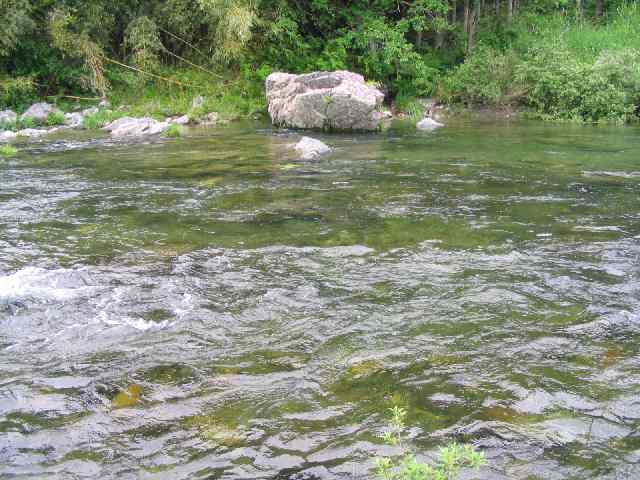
column 39, row 112
column 135, row 127
column 8, row 116
column 339, row 101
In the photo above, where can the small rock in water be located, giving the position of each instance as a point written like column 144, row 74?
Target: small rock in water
column 39, row 111
column 130, row 127
column 7, row 136
column 428, row 124
column 8, row 116
column 104, row 103
column 310, row 148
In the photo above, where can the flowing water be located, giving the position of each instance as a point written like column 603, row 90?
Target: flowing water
column 211, row 307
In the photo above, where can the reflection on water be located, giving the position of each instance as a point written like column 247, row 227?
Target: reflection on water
column 212, row 307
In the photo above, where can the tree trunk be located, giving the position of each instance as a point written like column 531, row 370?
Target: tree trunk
column 578, row 8
column 419, row 40
column 473, row 25
column 466, row 17
column 509, row 10
column 497, row 8
column 454, row 11
column 599, row 8
column 440, row 38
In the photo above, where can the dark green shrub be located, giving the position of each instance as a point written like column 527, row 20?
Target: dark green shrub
column 485, row 78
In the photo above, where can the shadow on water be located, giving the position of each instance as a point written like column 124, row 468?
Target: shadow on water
column 213, row 307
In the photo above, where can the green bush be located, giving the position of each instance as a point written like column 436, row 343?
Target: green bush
column 453, row 457
column 17, row 92
column 561, row 86
column 485, row 78
column 55, row 118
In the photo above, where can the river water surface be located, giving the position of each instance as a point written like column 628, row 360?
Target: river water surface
column 211, row 307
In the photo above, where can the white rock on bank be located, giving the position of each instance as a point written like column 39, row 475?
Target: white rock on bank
column 39, row 111
column 310, row 148
column 89, row 111
column 210, row 118
column 428, row 124
column 32, row 132
column 73, row 120
column 183, row 120
column 7, row 136
column 135, row 127
column 8, row 116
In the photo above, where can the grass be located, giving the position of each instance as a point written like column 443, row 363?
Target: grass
column 174, row 131
column 231, row 96
column 8, row 151
column 101, row 118
column 54, row 118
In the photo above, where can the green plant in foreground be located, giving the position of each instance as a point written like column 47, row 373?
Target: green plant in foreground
column 173, row 131
column 7, row 150
column 453, row 458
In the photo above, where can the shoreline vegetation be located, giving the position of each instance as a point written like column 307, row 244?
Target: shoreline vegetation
column 555, row 61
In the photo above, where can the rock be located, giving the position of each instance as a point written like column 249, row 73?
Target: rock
column 39, row 111
column 183, row 120
column 340, row 101
column 428, row 124
column 7, row 136
column 104, row 103
column 32, row 132
column 310, row 148
column 74, row 119
column 128, row 127
column 197, row 102
column 89, row 111
column 382, row 115
column 8, row 116
column 210, row 118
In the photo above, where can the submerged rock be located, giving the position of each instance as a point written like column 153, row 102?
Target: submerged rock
column 323, row 100
column 310, row 148
column 39, row 111
column 129, row 127
column 7, row 136
column 428, row 124
column 8, row 116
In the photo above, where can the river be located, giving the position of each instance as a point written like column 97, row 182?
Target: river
column 211, row 307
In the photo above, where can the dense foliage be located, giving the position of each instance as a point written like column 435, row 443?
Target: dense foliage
column 563, row 60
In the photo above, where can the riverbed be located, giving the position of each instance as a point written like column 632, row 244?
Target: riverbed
column 213, row 307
